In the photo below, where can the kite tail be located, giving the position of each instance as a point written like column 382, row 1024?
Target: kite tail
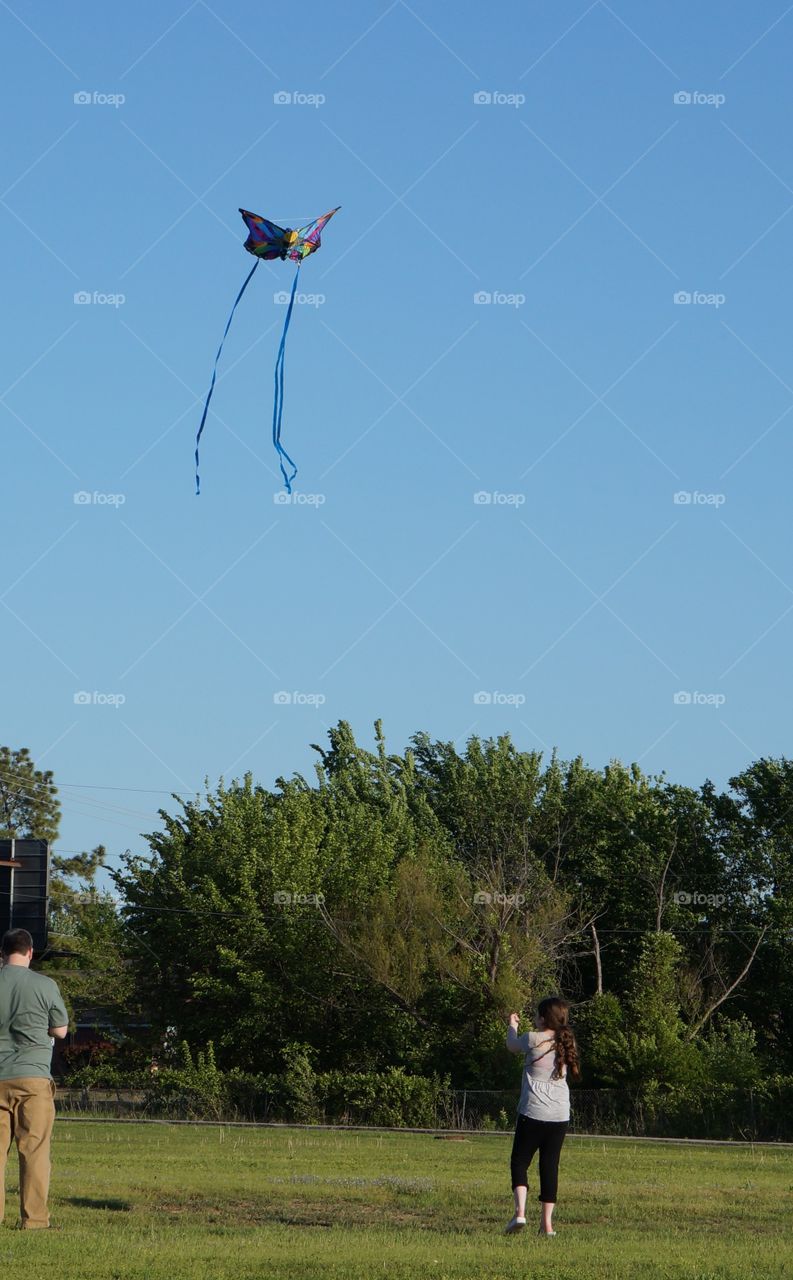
column 215, row 370
column 278, row 403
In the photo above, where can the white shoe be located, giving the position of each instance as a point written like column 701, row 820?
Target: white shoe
column 545, row 1233
column 516, row 1224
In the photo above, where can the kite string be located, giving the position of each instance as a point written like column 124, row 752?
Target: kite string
column 215, row 370
column 278, row 402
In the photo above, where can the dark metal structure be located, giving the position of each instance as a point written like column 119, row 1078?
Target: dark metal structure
column 24, row 888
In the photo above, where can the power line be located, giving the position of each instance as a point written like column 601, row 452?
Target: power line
column 98, row 786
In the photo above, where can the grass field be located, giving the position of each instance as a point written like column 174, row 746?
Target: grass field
column 160, row 1201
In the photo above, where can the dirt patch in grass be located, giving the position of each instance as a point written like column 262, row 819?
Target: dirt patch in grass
column 323, row 1214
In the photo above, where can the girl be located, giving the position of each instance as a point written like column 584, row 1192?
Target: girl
column 544, row 1107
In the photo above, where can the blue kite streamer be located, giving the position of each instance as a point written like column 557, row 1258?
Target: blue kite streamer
column 278, row 402
column 215, row 371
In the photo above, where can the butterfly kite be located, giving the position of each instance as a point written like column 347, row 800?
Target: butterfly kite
column 266, row 240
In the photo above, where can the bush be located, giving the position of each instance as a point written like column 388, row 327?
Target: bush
column 299, row 1094
column 194, row 1088
column 197, row 1089
column 389, row 1098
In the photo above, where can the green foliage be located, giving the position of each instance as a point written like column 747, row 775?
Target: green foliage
column 599, row 1026
column 391, row 912
column 299, row 1086
column 91, row 964
column 28, row 798
column 728, row 1053
column 652, row 1006
column 389, row 1098
column 196, row 1088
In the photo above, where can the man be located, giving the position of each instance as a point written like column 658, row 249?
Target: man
column 31, row 1011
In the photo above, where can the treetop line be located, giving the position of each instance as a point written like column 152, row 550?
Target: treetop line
column 313, row 912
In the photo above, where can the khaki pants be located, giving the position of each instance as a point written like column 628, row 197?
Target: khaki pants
column 27, row 1113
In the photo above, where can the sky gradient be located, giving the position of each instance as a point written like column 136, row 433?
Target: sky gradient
column 538, row 387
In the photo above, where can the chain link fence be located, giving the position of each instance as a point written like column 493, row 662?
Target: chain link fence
column 721, row 1114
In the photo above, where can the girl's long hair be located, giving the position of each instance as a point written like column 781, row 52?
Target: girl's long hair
column 555, row 1013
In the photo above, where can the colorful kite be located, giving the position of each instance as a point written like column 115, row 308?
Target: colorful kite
column 266, row 240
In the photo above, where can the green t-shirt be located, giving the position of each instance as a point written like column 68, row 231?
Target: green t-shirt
column 30, row 1004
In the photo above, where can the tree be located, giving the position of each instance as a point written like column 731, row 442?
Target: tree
column 510, row 919
column 28, row 798
column 753, row 825
column 651, row 1048
column 88, row 945
column 227, row 913
column 402, row 904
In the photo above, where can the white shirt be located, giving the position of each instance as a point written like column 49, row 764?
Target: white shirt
column 541, row 1097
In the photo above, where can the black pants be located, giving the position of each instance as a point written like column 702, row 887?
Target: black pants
column 545, row 1136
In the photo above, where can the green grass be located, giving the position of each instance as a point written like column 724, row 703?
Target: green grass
column 167, row 1202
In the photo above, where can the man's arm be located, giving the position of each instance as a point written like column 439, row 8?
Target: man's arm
column 58, row 1016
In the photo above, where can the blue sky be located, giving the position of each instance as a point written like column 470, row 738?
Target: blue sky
column 575, row 165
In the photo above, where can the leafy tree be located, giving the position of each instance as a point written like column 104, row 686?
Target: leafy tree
column 230, row 914
column 754, row 829
column 88, row 945
column 29, row 806
column 651, row 1047
column 402, row 904
column 599, row 1024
